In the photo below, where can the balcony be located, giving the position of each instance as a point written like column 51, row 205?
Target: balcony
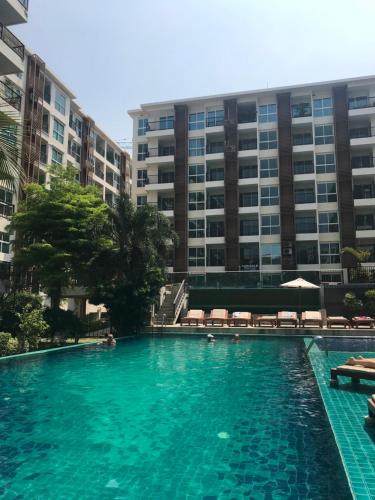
column 361, row 106
column 303, row 196
column 161, row 182
column 364, row 161
column 248, row 203
column 247, row 116
column 302, row 139
column 14, row 11
column 305, row 225
column 10, row 96
column 12, row 52
column 301, row 110
column 161, row 154
column 363, row 135
column 160, row 128
column 364, row 195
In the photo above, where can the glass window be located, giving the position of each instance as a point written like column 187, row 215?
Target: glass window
column 267, row 113
column 141, row 200
column 4, row 242
column 215, row 229
column 196, row 200
column 269, row 195
column 45, row 122
column 196, row 121
column 166, row 122
column 215, row 174
column 196, row 147
column 246, row 144
column 249, row 227
column 215, row 118
column 271, row 253
column 301, row 110
column 327, row 192
column 196, row 256
column 75, row 123
column 215, row 201
column 305, row 224
column 268, row 139
column 248, row 171
column 304, row 195
column 60, row 102
column 303, row 167
column 165, row 203
column 75, row 150
column 329, row 253
column 323, row 107
column 269, row 167
column 307, row 252
column 325, row 164
column 270, row 224
column 47, row 91
column 249, row 199
column 215, row 257
column 328, row 222
column 142, row 126
column 196, row 228
column 142, row 152
column 6, row 197
column 58, row 131
column 249, row 256
column 364, row 222
column 196, row 173
column 57, row 157
column 358, row 102
column 141, row 178
column 323, row 134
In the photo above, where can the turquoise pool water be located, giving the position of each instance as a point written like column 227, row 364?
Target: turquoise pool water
column 171, row 418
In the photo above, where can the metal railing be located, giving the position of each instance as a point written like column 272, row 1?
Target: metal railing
column 12, row 41
column 365, row 161
column 364, row 274
column 179, row 300
column 6, row 210
column 164, row 125
column 10, row 96
column 160, row 151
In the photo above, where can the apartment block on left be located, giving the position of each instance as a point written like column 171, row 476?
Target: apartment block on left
column 12, row 60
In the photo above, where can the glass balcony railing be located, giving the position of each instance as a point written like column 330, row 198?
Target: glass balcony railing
column 160, row 125
column 246, row 144
column 161, row 151
column 248, row 172
column 12, row 41
column 166, row 204
column 361, row 102
column 366, row 161
column 301, row 110
column 164, row 178
column 302, row 139
column 305, row 227
column 304, row 197
column 215, row 147
column 215, row 175
column 364, row 192
column 361, row 132
column 248, row 199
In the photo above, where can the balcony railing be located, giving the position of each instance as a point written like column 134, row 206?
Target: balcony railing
column 365, row 274
column 99, row 173
column 160, row 125
column 10, row 96
column 166, row 204
column 362, row 161
column 246, row 144
column 361, row 102
column 304, row 197
column 216, row 147
column 248, row 172
column 215, row 232
column 160, row 179
column 302, row 139
column 303, row 167
column 215, row 175
column 12, row 41
column 215, row 203
column 361, row 132
column 305, row 227
column 160, row 151
column 249, row 200
column 247, row 116
column 6, row 210
column 364, row 192
column 301, row 110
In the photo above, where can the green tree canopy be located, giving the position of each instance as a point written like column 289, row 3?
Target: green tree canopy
column 128, row 276
column 60, row 229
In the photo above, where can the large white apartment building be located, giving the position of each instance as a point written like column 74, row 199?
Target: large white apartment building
column 268, row 180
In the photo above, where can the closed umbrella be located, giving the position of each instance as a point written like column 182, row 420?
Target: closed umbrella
column 299, row 283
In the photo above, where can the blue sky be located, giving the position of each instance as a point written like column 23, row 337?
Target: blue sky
column 117, row 54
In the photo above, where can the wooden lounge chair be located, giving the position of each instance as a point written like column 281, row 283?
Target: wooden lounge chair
column 312, row 318
column 194, row 316
column 287, row 318
column 337, row 320
column 240, row 319
column 358, row 321
column 217, row 317
column 356, row 373
column 266, row 320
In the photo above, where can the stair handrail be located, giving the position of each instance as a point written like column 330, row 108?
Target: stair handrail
column 178, row 300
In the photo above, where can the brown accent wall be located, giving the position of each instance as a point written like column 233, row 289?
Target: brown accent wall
column 87, row 156
column 180, row 187
column 232, row 250
column 287, row 223
column 344, row 173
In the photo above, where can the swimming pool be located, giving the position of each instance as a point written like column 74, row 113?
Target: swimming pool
column 166, row 418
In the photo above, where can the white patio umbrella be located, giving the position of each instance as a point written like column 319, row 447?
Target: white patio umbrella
column 299, row 283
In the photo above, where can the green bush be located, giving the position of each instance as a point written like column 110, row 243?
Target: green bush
column 32, row 327
column 63, row 324
column 8, row 345
column 370, row 302
column 13, row 304
column 352, row 305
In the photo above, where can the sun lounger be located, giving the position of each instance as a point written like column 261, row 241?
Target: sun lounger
column 356, row 373
column 312, row 318
column 266, row 320
column 217, row 317
column 194, row 316
column 240, row 319
column 287, row 318
column 358, row 321
column 337, row 320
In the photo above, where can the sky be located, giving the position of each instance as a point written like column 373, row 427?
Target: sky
column 117, row 54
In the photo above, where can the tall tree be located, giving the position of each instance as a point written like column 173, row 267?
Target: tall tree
column 60, row 229
column 128, row 276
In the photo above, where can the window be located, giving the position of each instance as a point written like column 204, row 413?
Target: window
column 327, row 192
column 303, row 167
column 307, row 252
column 60, row 102
column 4, row 242
column 141, row 178
column 267, row 113
column 196, row 121
column 249, row 256
column 246, row 144
column 305, row 224
column 215, row 201
column 270, row 224
column 57, row 157
column 271, row 253
column 325, row 164
column 215, row 147
column 269, row 167
column 47, row 91
column 75, row 150
column 215, row 257
column 196, row 200
column 323, row 107
column 196, row 174
column 142, row 126
column 75, row 123
column 248, row 171
column 110, row 155
column 249, row 227
column 269, row 195
column 196, row 228
column 58, row 131
column 6, row 202
column 215, row 118
column 45, row 122
column 249, row 199
column 215, row 174
column 364, row 222
column 117, row 159
column 44, row 153
column 358, row 102
column 142, row 152
column 196, row 147
column 166, row 122
column 301, row 109
column 141, row 201
column 165, row 203
column 304, row 195
column 215, row 229
column 196, row 256
column 302, row 139
column 362, row 161
column 329, row 253
column 323, row 134
column 268, row 139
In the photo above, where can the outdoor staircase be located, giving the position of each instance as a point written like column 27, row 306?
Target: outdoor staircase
column 174, row 299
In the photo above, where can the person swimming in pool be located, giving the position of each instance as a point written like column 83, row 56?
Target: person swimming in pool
column 210, row 338
column 236, row 338
column 109, row 341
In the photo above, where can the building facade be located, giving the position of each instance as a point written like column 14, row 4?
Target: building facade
column 269, row 180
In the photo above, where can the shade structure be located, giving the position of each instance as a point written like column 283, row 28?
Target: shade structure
column 299, row 283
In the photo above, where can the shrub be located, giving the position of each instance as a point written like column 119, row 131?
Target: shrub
column 370, row 302
column 352, row 305
column 63, row 323
column 8, row 345
column 32, row 326
column 13, row 304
